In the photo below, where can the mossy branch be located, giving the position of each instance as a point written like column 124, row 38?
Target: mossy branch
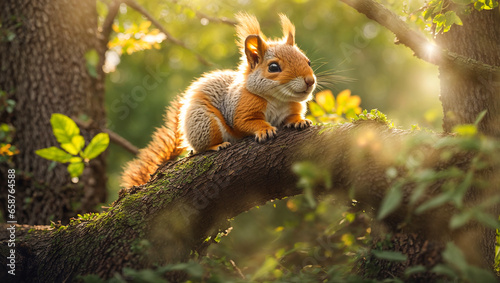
column 190, row 199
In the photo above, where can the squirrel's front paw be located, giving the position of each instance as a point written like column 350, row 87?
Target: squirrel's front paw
column 301, row 124
column 265, row 134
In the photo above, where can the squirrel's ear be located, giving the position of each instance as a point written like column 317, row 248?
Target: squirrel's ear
column 255, row 48
column 288, row 30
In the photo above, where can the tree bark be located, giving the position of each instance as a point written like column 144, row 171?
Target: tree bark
column 188, row 200
column 44, row 71
column 465, row 94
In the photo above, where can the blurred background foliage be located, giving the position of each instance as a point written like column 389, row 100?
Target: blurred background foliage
column 336, row 38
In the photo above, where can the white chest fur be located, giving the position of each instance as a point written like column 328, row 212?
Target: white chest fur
column 276, row 112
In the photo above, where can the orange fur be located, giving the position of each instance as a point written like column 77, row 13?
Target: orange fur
column 247, row 25
column 249, row 118
column 295, row 113
column 166, row 145
column 288, row 30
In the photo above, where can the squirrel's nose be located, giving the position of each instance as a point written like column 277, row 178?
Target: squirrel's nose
column 309, row 80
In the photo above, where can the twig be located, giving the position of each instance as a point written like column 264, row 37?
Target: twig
column 113, row 137
column 107, row 25
column 201, row 15
column 237, row 269
column 415, row 40
column 134, row 5
column 121, row 141
column 222, row 20
column 106, row 29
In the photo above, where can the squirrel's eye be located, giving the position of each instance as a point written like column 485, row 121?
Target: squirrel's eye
column 274, row 68
column 309, row 63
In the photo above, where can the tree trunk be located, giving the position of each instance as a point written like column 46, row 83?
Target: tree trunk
column 44, row 71
column 465, row 94
column 187, row 200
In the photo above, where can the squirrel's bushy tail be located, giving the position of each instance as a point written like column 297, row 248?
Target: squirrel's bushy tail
column 166, row 145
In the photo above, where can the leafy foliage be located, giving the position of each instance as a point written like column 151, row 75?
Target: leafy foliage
column 135, row 38
column 328, row 109
column 68, row 135
column 7, row 150
column 441, row 15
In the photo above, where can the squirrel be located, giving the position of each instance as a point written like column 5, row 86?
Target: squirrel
column 269, row 89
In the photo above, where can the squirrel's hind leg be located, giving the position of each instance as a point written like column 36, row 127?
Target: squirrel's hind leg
column 203, row 129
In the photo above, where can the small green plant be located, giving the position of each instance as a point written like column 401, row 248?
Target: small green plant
column 72, row 143
column 374, row 115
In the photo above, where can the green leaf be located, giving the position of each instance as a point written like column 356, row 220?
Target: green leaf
column 418, row 192
column 55, row 154
column 76, row 144
column 459, row 220
column 96, row 146
column 452, row 254
column 480, row 117
column 75, row 169
column 192, row 268
column 486, row 5
column 439, row 7
column 476, row 274
column 389, row 255
column 486, row 219
column 315, row 109
column 415, row 269
column 326, row 100
column 444, row 270
column 427, row 14
column 64, row 128
column 92, row 58
column 434, row 202
column 465, row 130
column 267, row 267
column 391, row 201
column 452, row 18
column 75, row 159
column 461, row 189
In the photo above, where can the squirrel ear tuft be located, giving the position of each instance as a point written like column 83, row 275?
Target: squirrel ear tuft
column 255, row 48
column 288, row 30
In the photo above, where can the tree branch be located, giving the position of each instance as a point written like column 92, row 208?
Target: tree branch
column 416, row 41
column 134, row 5
column 222, row 20
column 185, row 201
column 106, row 29
column 201, row 15
column 113, row 137
column 121, row 141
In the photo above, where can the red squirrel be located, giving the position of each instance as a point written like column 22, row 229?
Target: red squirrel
column 269, row 89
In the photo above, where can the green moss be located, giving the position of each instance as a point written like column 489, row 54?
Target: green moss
column 328, row 127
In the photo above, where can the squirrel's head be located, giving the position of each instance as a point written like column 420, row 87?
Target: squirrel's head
column 274, row 68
